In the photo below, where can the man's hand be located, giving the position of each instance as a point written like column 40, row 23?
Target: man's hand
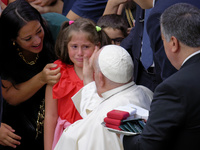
column 88, row 71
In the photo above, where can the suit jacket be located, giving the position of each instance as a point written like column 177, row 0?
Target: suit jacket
column 174, row 117
column 133, row 44
column 162, row 64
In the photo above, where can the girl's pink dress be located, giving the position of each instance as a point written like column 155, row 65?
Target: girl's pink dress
column 68, row 85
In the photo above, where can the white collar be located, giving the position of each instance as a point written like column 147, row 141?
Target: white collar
column 197, row 52
column 114, row 91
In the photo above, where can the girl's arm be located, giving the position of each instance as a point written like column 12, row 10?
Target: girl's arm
column 23, row 91
column 50, row 120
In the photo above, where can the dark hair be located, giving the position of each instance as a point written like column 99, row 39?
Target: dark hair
column 182, row 20
column 13, row 18
column 113, row 21
column 81, row 24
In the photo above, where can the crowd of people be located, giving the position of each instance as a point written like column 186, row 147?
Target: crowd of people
column 65, row 64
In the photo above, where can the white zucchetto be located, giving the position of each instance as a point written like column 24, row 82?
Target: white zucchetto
column 116, row 64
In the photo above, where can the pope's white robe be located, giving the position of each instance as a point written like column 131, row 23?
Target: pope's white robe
column 88, row 133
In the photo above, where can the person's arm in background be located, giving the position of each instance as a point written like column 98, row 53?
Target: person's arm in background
column 43, row 2
column 114, row 6
column 72, row 16
column 92, row 9
column 43, row 7
column 145, row 4
column 56, row 6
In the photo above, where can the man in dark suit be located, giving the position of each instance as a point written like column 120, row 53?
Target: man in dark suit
column 162, row 65
column 133, row 43
column 174, row 119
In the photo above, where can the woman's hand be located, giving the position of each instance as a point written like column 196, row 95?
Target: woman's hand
column 8, row 137
column 49, row 75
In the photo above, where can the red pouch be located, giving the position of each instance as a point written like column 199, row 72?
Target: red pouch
column 113, row 126
column 118, row 114
column 115, row 122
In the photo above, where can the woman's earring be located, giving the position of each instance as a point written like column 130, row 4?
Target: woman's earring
column 13, row 43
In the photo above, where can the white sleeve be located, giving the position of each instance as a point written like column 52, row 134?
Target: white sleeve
column 86, row 99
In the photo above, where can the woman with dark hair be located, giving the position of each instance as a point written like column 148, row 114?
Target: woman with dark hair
column 26, row 53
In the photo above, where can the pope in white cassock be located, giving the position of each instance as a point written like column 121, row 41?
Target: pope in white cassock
column 113, row 87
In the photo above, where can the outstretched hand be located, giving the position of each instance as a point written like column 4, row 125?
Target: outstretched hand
column 8, row 137
column 88, row 68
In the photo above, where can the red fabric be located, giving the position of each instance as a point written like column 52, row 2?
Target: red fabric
column 118, row 114
column 113, row 126
column 112, row 121
column 68, row 85
column 5, row 2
